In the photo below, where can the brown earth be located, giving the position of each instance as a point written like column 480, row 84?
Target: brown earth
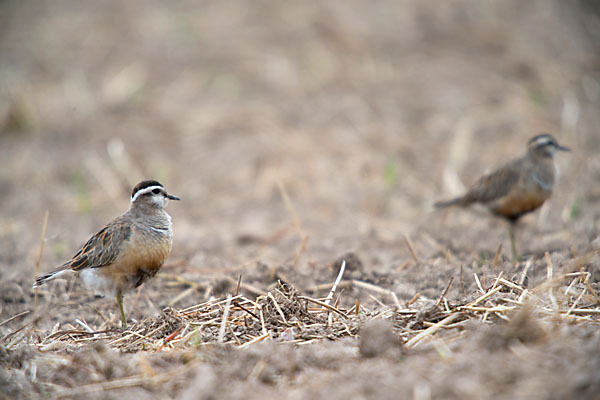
column 362, row 114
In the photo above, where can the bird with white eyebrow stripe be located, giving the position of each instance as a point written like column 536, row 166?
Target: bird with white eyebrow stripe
column 516, row 188
column 128, row 251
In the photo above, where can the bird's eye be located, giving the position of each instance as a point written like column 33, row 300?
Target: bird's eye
column 156, row 191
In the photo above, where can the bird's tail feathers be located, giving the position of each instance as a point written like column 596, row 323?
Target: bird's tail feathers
column 40, row 280
column 447, row 203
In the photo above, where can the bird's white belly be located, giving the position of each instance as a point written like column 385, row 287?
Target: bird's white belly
column 99, row 283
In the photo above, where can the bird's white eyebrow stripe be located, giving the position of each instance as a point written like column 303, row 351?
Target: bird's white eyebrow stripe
column 145, row 190
column 542, row 140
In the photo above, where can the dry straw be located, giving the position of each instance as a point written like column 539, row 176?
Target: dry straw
column 285, row 315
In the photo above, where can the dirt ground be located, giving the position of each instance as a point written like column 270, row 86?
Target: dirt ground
column 298, row 135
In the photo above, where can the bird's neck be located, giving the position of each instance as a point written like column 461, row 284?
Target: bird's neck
column 544, row 172
column 150, row 212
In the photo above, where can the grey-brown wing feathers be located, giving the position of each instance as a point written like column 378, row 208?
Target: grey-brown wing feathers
column 487, row 188
column 493, row 186
column 102, row 249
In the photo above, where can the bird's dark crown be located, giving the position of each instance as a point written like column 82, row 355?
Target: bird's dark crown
column 145, row 184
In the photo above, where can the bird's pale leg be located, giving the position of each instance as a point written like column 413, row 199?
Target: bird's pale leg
column 513, row 245
column 120, row 303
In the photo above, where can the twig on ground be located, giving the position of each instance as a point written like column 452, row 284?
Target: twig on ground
column 262, row 321
column 235, row 303
column 497, row 279
column 256, row 339
column 587, row 284
column 576, row 302
column 478, row 283
column 549, row 275
column 462, row 282
column 413, row 299
column 147, row 336
column 237, row 288
column 336, row 283
column 6, row 321
column 38, row 261
column 371, row 287
column 396, row 301
column 431, row 330
column 84, row 325
column 224, row 319
column 524, row 273
column 585, row 311
column 411, row 250
column 509, row 284
column 210, row 303
column 246, row 286
column 483, row 297
column 270, row 295
column 496, row 261
column 322, row 304
column 445, row 291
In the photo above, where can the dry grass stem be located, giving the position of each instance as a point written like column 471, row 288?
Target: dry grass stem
column 262, row 321
column 431, row 330
column 510, row 285
column 414, row 299
column 496, row 261
column 411, row 250
column 462, row 282
column 484, row 296
column 445, row 291
column 395, row 298
column 21, row 314
column 478, row 283
column 524, row 273
column 246, row 286
column 497, row 279
column 549, row 268
column 243, row 321
column 38, row 260
column 270, row 295
column 255, row 340
column 224, row 320
column 585, row 311
column 372, row 288
column 587, row 284
column 336, row 283
column 323, row 304
column 576, row 302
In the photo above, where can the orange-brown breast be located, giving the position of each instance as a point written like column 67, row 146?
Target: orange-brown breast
column 139, row 259
column 516, row 203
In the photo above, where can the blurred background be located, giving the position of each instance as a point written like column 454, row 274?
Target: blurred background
column 364, row 112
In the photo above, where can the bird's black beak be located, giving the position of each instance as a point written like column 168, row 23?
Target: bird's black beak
column 171, row 197
column 562, row 148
